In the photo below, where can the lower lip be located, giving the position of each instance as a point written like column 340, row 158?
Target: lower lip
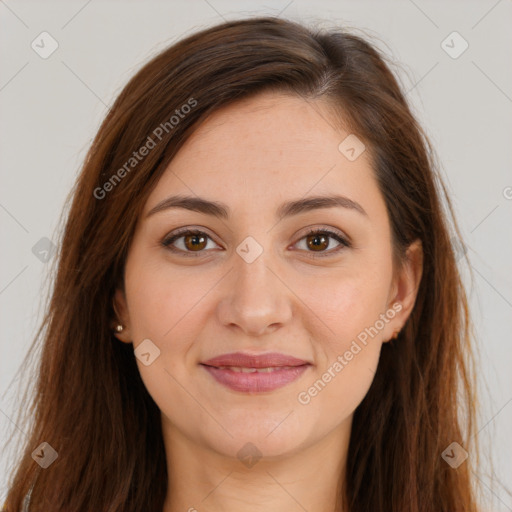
column 256, row 382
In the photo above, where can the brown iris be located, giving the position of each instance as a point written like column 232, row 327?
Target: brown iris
column 317, row 242
column 197, row 241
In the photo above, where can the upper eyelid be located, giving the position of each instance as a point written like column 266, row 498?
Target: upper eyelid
column 184, row 231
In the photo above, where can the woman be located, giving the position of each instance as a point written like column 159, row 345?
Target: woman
column 257, row 304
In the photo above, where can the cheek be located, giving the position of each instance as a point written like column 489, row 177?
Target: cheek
column 167, row 307
column 162, row 302
column 348, row 349
column 347, row 359
column 348, row 305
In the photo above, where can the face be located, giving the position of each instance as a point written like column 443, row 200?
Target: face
column 315, row 284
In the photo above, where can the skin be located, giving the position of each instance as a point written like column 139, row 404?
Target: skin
column 253, row 156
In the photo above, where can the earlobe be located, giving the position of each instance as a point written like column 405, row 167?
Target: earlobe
column 120, row 324
column 397, row 307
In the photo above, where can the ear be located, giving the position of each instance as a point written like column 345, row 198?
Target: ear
column 122, row 317
column 405, row 289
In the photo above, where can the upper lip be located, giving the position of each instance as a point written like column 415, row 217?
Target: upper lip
column 239, row 359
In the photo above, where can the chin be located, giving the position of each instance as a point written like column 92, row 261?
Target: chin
column 251, row 448
column 267, row 437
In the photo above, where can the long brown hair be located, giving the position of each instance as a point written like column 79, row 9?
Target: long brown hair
column 90, row 403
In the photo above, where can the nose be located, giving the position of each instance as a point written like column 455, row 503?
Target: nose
column 256, row 300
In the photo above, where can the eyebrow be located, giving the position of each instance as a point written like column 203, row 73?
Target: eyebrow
column 288, row 209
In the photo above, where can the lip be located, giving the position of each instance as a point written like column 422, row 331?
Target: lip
column 286, row 369
column 271, row 359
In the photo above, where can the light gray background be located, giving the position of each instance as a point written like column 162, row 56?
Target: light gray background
column 51, row 108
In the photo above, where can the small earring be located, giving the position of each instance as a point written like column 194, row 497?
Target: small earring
column 395, row 335
column 119, row 328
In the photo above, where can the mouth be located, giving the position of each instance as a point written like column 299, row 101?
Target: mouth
column 254, row 374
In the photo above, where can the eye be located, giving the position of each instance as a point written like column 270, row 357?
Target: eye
column 318, row 240
column 194, row 241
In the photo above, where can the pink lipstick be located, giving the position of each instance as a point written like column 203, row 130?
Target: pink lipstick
column 255, row 373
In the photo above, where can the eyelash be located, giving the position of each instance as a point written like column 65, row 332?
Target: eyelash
column 166, row 242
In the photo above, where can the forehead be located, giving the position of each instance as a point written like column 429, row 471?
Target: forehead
column 265, row 149
column 269, row 127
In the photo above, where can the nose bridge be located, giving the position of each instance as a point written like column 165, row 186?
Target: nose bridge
column 256, row 299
